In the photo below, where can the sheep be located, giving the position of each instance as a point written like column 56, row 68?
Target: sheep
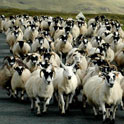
column 75, row 30
column 109, row 53
column 107, row 36
column 32, row 61
column 65, row 81
column 7, row 71
column 13, row 37
column 104, row 50
column 83, row 27
column 62, row 44
column 93, row 20
column 8, row 23
column 100, row 91
column 2, row 19
column 97, row 41
column 91, row 30
column 19, row 78
column 40, row 86
column 60, row 31
column 5, row 76
column 38, row 42
column 31, row 32
column 21, row 48
column 85, row 45
column 52, row 58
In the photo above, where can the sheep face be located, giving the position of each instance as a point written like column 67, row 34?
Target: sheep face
column 98, row 39
column 116, row 37
column 68, row 72
column 48, row 76
column 19, row 69
column 33, row 27
column 41, row 40
column 10, row 60
column 64, row 38
column 34, row 59
column 21, row 43
column 110, row 79
column 41, row 50
column 47, row 56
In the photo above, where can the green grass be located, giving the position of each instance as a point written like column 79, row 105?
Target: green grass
column 9, row 11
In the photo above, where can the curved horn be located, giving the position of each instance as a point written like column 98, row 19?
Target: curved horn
column 40, row 73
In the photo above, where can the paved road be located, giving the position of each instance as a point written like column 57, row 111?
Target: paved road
column 16, row 112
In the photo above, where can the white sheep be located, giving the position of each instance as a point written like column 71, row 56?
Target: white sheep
column 14, row 36
column 32, row 61
column 62, row 44
column 21, row 48
column 31, row 32
column 75, row 30
column 40, row 42
column 19, row 78
column 100, row 91
column 65, row 81
column 97, row 41
column 40, row 86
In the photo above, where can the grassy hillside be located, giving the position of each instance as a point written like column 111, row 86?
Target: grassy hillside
column 73, row 6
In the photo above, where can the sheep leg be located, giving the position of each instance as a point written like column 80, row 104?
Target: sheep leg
column 67, row 102
column 32, row 104
column 16, row 93
column 104, row 112
column 37, row 105
column 8, row 91
column 22, row 95
column 95, row 112
column 112, row 113
column 62, row 103
column 108, row 113
column 84, row 101
column 45, row 105
column 71, row 97
column 122, row 105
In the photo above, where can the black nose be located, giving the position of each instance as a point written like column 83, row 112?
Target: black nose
column 69, row 77
column 111, row 85
column 48, row 82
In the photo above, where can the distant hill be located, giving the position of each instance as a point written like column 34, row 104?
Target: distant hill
column 68, row 6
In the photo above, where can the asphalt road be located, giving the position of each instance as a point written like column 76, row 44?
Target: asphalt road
column 15, row 112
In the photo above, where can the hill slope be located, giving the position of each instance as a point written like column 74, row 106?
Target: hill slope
column 73, row 6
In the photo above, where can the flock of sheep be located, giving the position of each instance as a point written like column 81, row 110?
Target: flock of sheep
column 65, row 60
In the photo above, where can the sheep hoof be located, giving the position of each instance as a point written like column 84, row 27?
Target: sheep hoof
column 112, row 121
column 38, row 114
column 122, row 108
column 44, row 112
column 32, row 109
column 62, row 114
column 105, row 121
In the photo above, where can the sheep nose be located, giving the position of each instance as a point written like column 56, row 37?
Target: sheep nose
column 111, row 85
column 48, row 82
column 69, row 77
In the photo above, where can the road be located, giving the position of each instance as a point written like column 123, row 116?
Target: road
column 15, row 112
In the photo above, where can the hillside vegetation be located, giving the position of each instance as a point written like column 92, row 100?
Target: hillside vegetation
column 73, row 6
